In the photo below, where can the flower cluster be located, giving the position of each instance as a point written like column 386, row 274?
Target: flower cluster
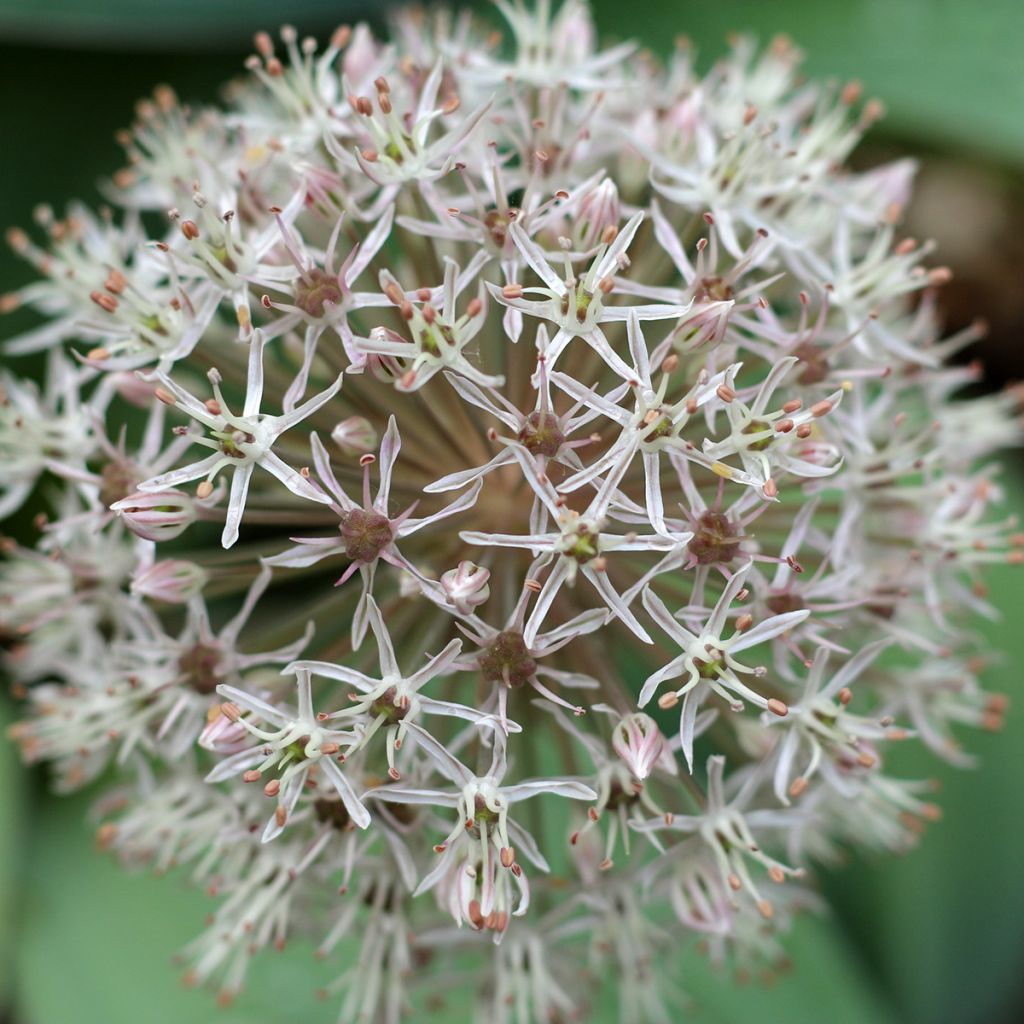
column 501, row 498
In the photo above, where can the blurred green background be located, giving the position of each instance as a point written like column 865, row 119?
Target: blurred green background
column 937, row 938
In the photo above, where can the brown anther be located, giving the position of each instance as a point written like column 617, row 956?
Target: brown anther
column 105, row 835
column 784, row 426
column 734, row 882
column 98, row 355
column 508, row 856
column 725, row 393
column 798, row 786
column 230, row 711
column 474, row 308
column 280, row 816
column 204, row 490
column 845, row 695
column 512, row 291
column 670, row 363
column 791, row 406
column 370, row 156
column 804, row 430
column 367, row 460
column 329, row 749
column 272, row 788
column 744, row 622
column 190, row 230
column 940, row 276
column 776, row 874
column 765, row 909
column 606, row 284
column 252, row 775
column 106, row 302
column 406, row 310
column 778, row 707
column 865, row 760
column 771, row 488
column 213, row 406
column 851, row 93
column 821, row 408
column 116, row 282
column 165, row 396
column 609, row 234
column 749, row 115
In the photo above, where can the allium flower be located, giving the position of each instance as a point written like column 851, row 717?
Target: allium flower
column 659, row 413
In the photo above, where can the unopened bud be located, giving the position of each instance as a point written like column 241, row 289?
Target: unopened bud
column 355, row 436
column 158, row 516
column 466, row 586
column 172, row 581
column 641, row 745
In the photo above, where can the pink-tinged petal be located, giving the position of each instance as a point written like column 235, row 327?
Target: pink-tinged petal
column 356, row 811
column 536, row 259
column 767, row 629
column 236, row 503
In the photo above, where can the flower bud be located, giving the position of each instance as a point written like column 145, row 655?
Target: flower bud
column 173, row 581
column 162, row 515
column 355, row 436
column 466, row 586
column 598, row 210
column 223, row 735
column 641, row 745
column 132, row 388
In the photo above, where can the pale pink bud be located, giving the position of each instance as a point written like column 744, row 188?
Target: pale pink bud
column 466, row 586
column 161, row 515
column 360, row 61
column 598, row 210
column 173, row 581
column 222, row 735
column 641, row 745
column 132, row 388
column 355, row 436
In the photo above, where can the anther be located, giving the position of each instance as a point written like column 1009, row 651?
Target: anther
column 106, row 302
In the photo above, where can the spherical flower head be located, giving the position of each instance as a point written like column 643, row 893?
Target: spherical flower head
column 442, row 441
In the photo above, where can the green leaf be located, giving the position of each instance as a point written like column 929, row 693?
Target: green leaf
column 196, row 24
column 11, row 835
column 948, row 71
column 827, row 983
column 96, row 942
column 945, row 925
